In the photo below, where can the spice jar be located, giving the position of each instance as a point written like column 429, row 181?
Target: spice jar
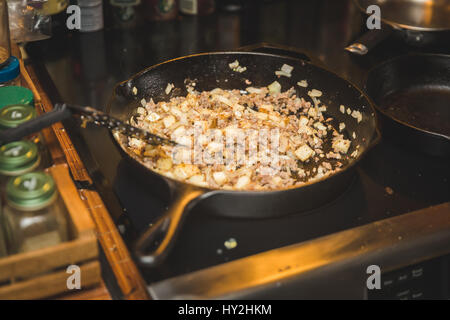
column 34, row 214
column 5, row 45
column 91, row 15
column 159, row 10
column 197, row 7
column 17, row 158
column 15, row 95
column 9, row 73
column 14, row 115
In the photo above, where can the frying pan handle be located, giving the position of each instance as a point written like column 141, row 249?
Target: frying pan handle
column 369, row 40
column 282, row 50
column 166, row 228
column 59, row 113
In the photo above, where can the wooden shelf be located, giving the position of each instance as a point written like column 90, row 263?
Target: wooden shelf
column 63, row 152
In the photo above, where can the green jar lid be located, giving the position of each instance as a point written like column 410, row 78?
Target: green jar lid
column 31, row 191
column 15, row 95
column 13, row 115
column 18, row 157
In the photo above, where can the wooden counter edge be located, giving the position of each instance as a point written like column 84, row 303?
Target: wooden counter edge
column 128, row 276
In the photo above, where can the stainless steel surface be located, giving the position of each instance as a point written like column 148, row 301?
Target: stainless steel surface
column 333, row 266
column 419, row 15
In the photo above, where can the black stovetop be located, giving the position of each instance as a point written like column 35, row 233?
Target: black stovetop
column 83, row 69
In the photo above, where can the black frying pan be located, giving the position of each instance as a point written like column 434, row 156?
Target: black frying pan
column 412, row 93
column 415, row 22
column 211, row 70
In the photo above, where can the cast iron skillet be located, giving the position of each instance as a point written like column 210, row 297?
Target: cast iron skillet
column 415, row 22
column 412, row 93
column 211, row 70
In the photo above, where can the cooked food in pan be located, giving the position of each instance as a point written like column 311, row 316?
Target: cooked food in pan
column 253, row 139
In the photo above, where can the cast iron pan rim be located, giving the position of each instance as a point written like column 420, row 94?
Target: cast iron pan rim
column 375, row 138
column 401, row 26
column 392, row 61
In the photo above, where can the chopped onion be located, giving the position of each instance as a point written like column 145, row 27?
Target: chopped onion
column 234, row 64
column 287, row 68
column 282, row 73
column 169, row 87
column 274, row 87
column 253, row 90
column 302, row 83
column 315, row 93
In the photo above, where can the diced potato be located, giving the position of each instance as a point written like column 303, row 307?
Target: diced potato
column 224, row 100
column 276, row 180
column 136, row 143
column 261, row 116
column 320, row 126
column 176, row 112
column 185, row 171
column 242, row 182
column 168, row 121
column 164, row 164
column 214, row 147
column 303, row 121
column 220, row 177
column 183, row 140
column 341, row 126
column 198, row 179
column 164, row 107
column 342, row 108
column 179, row 131
column 152, row 117
column 312, row 112
column 304, row 152
column 341, row 145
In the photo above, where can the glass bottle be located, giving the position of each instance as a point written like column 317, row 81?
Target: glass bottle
column 34, row 215
column 5, row 45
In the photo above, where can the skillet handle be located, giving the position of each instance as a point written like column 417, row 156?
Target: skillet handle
column 282, row 50
column 165, row 229
column 369, row 40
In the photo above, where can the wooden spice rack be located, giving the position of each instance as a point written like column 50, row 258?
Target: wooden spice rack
column 42, row 273
column 91, row 222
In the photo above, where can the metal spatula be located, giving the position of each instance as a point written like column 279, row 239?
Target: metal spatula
column 64, row 111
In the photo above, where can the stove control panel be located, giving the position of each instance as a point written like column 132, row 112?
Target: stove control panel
column 426, row 280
